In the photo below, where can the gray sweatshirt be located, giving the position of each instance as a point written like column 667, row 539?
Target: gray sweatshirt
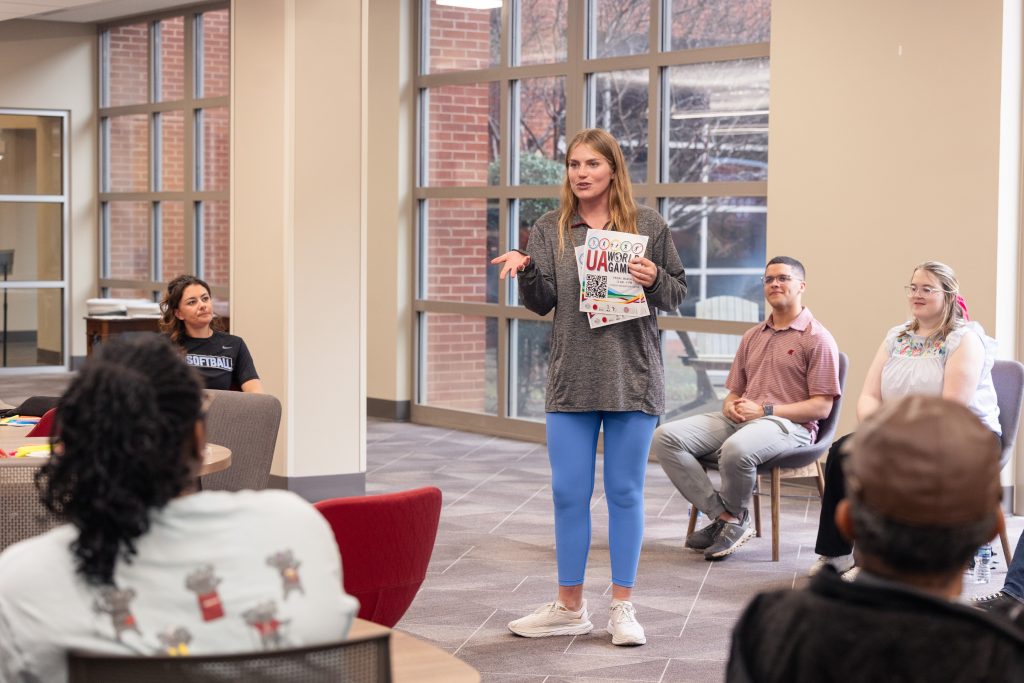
column 613, row 368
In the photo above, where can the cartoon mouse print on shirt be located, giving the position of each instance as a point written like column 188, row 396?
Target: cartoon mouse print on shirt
column 285, row 562
column 204, row 583
column 263, row 618
column 115, row 602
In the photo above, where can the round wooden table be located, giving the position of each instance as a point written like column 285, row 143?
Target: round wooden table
column 215, row 459
column 416, row 660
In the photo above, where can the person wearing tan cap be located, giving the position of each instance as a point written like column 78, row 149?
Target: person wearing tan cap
column 922, row 494
column 939, row 351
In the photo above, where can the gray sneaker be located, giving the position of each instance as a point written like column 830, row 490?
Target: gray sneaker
column 731, row 537
column 701, row 539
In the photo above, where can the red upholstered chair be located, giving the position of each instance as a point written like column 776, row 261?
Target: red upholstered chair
column 44, row 425
column 386, row 542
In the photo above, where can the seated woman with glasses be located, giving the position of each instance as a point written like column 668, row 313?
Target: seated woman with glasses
column 222, row 359
column 937, row 352
column 145, row 565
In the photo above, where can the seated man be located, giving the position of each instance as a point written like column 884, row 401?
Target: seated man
column 922, row 494
column 782, row 381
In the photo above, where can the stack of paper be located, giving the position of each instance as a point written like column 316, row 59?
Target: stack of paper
column 608, row 293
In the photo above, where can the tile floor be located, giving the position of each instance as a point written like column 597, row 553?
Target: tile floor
column 494, row 561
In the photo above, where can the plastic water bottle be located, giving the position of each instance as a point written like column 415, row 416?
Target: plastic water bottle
column 983, row 564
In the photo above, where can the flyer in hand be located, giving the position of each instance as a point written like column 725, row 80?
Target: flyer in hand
column 595, row 319
column 606, row 285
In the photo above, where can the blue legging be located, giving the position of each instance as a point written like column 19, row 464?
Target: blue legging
column 572, row 450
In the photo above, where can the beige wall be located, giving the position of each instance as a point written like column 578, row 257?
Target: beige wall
column 884, row 152
column 50, row 65
column 389, row 200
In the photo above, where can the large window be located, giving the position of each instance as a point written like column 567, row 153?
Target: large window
column 683, row 85
column 164, row 151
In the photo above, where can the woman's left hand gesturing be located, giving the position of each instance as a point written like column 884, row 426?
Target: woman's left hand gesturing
column 643, row 271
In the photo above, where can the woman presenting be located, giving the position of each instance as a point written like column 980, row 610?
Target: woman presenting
column 937, row 352
column 610, row 376
column 222, row 359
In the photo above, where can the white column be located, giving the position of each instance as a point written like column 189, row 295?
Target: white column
column 299, row 228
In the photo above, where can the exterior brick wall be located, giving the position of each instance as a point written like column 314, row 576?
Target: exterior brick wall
column 129, row 145
column 463, row 122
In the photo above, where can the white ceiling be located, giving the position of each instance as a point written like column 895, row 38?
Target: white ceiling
column 83, row 11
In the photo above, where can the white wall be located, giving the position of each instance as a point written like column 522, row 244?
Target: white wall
column 52, row 65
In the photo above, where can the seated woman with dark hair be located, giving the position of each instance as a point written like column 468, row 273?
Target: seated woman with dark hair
column 145, row 565
column 188, row 319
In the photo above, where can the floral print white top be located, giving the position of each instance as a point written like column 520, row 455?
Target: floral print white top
column 917, row 366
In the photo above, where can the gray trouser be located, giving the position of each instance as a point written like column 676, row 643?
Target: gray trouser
column 685, row 446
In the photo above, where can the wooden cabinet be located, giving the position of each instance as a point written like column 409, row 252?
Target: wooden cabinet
column 100, row 327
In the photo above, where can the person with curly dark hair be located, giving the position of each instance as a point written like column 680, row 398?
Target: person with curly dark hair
column 145, row 564
column 188, row 319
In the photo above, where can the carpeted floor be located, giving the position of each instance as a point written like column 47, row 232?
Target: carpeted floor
column 494, row 561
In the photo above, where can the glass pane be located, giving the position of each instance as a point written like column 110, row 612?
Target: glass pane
column 716, row 234
column 619, row 105
column 31, row 154
column 462, row 141
column 214, row 172
column 718, row 122
column 525, row 213
column 460, row 356
column 128, row 240
column 696, row 366
column 172, row 240
column 128, row 157
column 710, row 23
column 33, row 328
column 622, row 27
column 531, row 343
column 127, row 77
column 460, row 238
column 542, row 38
column 461, row 39
column 215, row 34
column 172, row 58
column 215, row 242
column 172, row 151
column 31, row 245
column 541, row 131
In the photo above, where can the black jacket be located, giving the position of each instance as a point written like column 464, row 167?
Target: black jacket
column 839, row 631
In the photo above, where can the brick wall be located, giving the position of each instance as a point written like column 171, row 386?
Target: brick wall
column 461, row 138
column 129, row 149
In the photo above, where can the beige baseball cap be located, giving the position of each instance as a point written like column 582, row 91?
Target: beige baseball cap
column 925, row 461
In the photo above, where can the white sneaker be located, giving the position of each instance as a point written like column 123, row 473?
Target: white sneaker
column 623, row 626
column 841, row 563
column 850, row 574
column 553, row 619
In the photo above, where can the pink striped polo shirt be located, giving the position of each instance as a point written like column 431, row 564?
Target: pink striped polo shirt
column 787, row 365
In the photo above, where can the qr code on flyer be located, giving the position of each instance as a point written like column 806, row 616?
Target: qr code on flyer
column 597, row 287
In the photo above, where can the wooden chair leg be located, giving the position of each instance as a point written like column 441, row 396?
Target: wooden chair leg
column 692, row 526
column 1007, row 553
column 821, row 479
column 757, row 506
column 776, row 497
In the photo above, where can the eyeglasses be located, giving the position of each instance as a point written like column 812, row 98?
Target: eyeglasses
column 781, row 279
column 914, row 290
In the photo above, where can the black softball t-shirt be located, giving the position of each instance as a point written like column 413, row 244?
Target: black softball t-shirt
column 223, row 360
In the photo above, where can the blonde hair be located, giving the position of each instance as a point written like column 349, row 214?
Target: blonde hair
column 621, row 205
column 952, row 313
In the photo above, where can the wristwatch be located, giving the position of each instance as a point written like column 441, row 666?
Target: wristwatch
column 768, row 409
